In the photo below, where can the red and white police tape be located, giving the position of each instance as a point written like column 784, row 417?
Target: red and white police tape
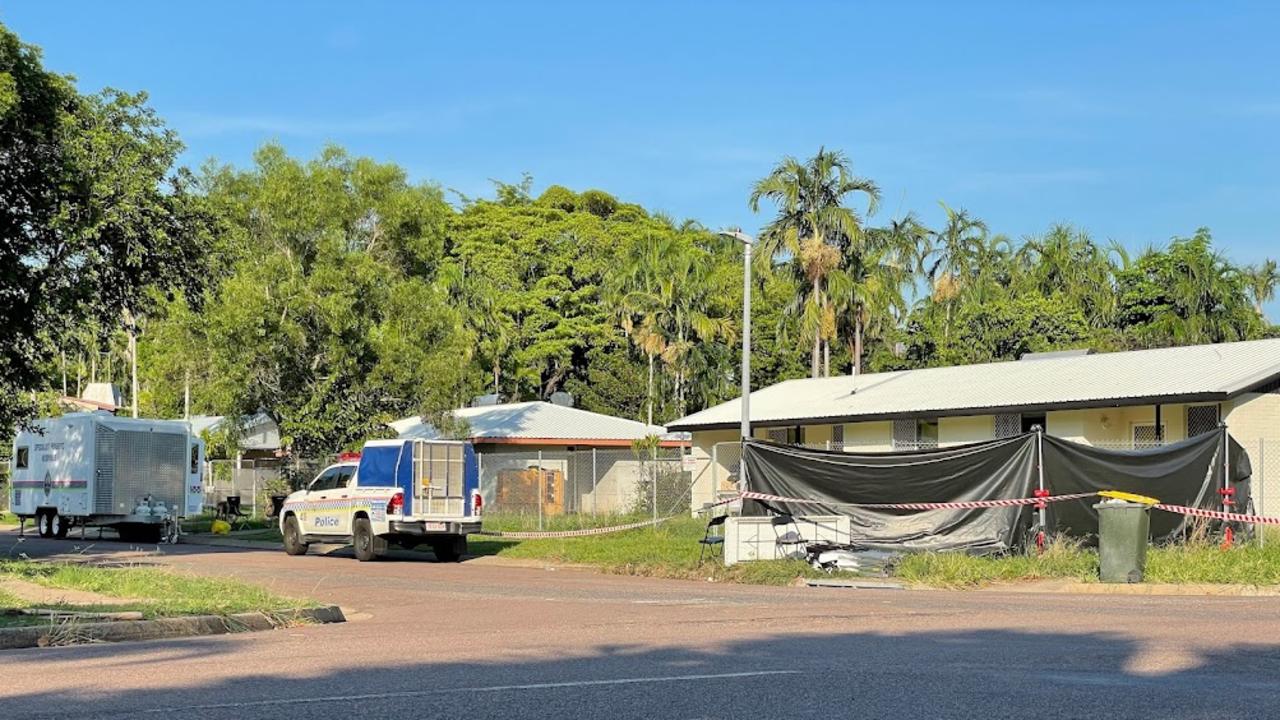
column 584, row 532
column 965, row 505
column 1219, row 515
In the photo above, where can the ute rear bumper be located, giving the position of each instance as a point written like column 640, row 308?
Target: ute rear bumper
column 425, row 528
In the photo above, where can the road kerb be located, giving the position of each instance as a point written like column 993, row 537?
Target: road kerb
column 134, row 630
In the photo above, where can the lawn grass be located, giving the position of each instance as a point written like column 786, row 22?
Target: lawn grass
column 154, row 592
column 669, row 550
column 1198, row 561
column 202, row 523
column 8, row 518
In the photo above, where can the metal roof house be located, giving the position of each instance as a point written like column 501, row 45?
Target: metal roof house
column 585, row 460
column 1122, row 400
column 540, row 423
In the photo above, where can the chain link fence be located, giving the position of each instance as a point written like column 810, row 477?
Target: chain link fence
column 254, row 481
column 539, row 485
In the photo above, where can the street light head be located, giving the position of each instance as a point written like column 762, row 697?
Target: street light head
column 740, row 236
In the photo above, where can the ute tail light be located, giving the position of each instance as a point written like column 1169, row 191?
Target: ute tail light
column 477, row 503
column 396, row 504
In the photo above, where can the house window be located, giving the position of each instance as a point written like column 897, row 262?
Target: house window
column 785, row 435
column 927, row 433
column 1144, row 436
column 22, row 459
column 904, row 434
column 1008, row 425
column 837, row 437
column 195, row 459
column 1201, row 419
column 915, row 434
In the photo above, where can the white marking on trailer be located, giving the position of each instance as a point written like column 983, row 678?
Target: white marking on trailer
column 482, row 689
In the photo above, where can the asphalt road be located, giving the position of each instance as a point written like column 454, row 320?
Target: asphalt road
column 480, row 640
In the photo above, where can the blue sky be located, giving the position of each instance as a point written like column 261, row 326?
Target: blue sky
column 1137, row 122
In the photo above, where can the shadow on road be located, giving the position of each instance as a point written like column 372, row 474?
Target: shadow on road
column 978, row 673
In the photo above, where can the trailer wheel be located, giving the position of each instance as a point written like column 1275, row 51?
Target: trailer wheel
column 293, row 543
column 450, row 549
column 363, row 539
column 44, row 523
column 60, row 525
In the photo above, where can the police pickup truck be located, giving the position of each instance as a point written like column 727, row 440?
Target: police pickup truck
column 408, row 492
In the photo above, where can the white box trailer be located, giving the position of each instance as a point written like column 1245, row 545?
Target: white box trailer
column 137, row 476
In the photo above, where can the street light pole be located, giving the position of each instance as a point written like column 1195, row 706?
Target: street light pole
column 747, row 243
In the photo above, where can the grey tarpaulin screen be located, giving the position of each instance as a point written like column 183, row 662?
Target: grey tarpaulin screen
column 1185, row 473
column 982, row 471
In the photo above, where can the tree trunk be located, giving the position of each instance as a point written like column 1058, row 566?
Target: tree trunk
column 650, row 416
column 815, row 358
column 857, row 344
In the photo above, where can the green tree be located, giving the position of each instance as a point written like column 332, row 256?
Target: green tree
column 1261, row 282
column 95, row 218
column 1186, row 294
column 332, row 317
column 952, row 259
column 812, row 221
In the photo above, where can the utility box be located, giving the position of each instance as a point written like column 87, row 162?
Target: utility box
column 1123, row 531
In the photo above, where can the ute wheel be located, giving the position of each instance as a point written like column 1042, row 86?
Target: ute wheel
column 293, row 544
column 364, row 541
column 44, row 523
column 60, row 525
column 450, row 549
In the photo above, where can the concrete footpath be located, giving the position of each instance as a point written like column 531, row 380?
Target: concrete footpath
column 479, row 640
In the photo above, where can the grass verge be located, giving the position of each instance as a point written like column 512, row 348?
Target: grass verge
column 154, row 592
column 669, row 550
column 203, row 523
column 1198, row 561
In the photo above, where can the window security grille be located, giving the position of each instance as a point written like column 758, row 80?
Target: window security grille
column 837, row 437
column 1008, row 425
column 1144, row 436
column 905, row 434
column 1201, row 419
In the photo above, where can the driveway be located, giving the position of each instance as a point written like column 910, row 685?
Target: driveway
column 484, row 640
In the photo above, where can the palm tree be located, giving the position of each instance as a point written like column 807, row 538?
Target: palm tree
column 812, row 221
column 868, row 289
column 952, row 252
column 1261, row 282
column 1066, row 261
column 635, row 293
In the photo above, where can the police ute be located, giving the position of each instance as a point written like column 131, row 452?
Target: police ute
column 407, row 492
column 138, row 477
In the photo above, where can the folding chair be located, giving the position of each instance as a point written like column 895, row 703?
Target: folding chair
column 786, row 542
column 711, row 541
column 231, row 511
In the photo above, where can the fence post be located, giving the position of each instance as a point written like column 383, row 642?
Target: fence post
column 1262, row 484
column 542, row 483
column 715, row 472
column 653, row 478
column 593, row 482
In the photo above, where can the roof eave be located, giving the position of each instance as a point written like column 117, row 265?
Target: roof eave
column 1216, row 396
